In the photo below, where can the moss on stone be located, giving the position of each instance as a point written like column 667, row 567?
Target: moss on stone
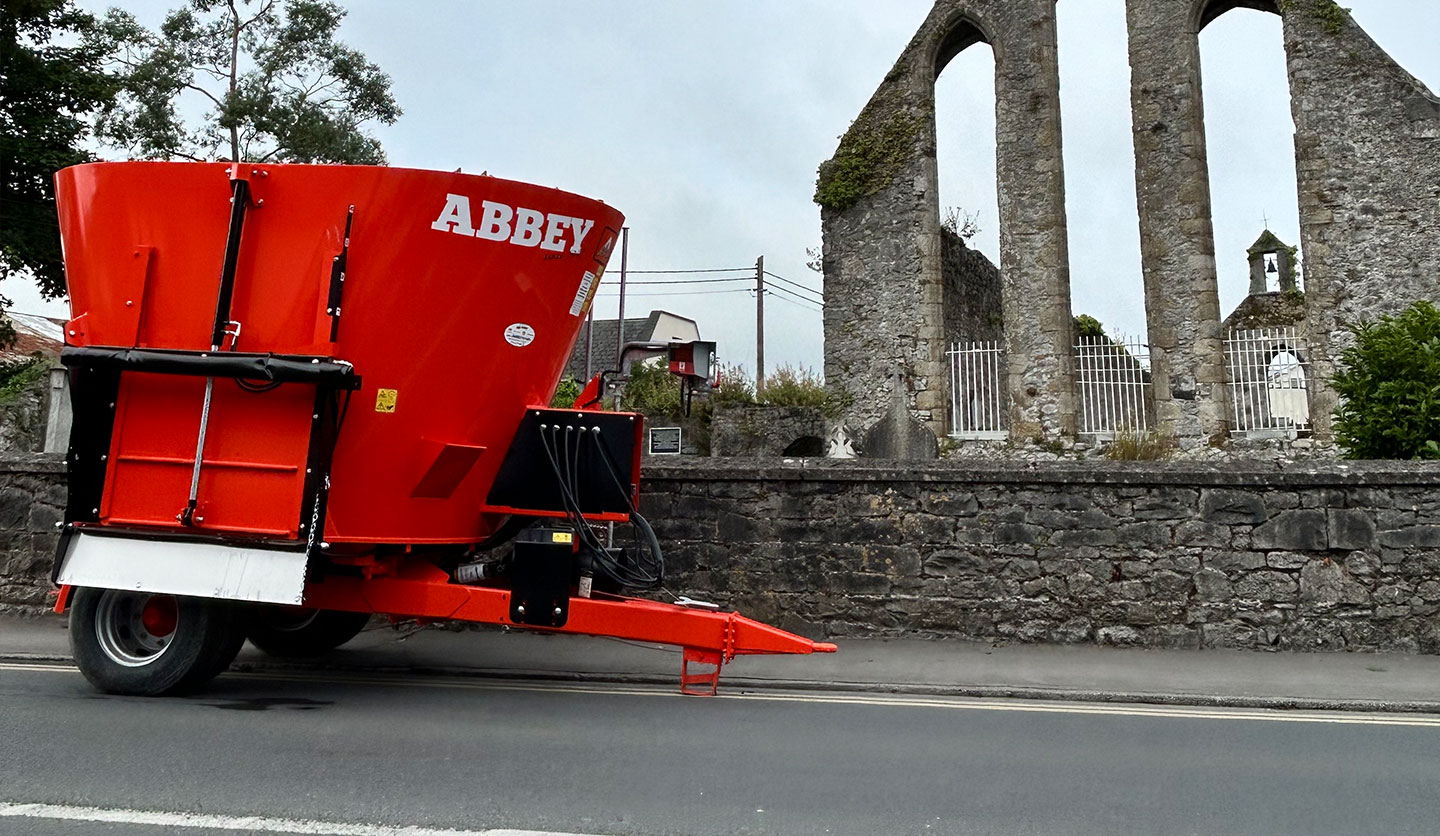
column 1330, row 14
column 870, row 155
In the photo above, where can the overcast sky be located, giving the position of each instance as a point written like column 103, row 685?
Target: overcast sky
column 704, row 123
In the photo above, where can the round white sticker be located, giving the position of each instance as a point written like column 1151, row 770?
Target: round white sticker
column 519, row 335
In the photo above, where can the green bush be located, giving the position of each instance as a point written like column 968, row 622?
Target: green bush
column 735, row 388
column 1390, row 382
column 652, row 390
column 17, row 375
column 788, row 386
column 795, row 386
column 565, row 394
column 1088, row 326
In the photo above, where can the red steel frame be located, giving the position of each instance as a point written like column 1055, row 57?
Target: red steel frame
column 423, row 591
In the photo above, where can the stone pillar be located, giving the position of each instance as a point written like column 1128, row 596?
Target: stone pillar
column 881, row 256
column 1034, row 249
column 1367, row 163
column 1177, row 242
column 884, row 286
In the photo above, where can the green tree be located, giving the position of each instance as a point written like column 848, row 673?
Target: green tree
column 1088, row 326
column 1391, row 388
column 274, row 84
column 47, row 92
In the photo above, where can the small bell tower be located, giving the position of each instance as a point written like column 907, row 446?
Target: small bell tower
column 1272, row 265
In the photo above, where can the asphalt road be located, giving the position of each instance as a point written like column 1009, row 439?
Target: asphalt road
column 361, row 755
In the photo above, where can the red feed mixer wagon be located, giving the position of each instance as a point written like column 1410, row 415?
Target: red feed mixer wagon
column 304, row 395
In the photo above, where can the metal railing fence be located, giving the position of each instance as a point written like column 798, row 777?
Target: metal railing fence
column 1269, row 382
column 977, row 388
column 1112, row 377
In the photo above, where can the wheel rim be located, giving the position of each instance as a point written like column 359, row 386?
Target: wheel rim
column 135, row 628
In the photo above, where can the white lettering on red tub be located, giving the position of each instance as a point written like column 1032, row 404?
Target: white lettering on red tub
column 520, row 226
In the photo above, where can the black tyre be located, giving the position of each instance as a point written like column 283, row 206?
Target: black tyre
column 146, row 644
column 299, row 632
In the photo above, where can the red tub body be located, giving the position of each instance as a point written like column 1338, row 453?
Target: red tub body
column 463, row 296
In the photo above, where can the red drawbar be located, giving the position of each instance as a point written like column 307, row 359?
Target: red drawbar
column 420, row 590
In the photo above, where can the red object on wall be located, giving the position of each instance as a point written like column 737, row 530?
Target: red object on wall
column 462, row 298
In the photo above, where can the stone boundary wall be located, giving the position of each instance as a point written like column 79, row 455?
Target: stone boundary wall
column 756, row 430
column 1300, row 556
column 32, row 501
column 1303, row 557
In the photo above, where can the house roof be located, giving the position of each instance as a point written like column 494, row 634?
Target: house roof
column 34, row 334
column 603, row 355
column 1267, row 243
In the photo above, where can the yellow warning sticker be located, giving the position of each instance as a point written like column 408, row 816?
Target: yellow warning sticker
column 561, row 537
column 385, row 400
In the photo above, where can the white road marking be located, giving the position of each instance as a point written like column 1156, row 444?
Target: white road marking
column 887, row 700
column 37, row 666
column 248, row 824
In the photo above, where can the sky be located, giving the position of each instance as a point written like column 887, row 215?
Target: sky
column 704, row 123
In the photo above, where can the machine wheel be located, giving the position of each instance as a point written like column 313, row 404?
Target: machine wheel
column 299, row 632
column 147, row 644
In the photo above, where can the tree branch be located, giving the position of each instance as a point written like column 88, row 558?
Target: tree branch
column 264, row 10
column 206, row 93
column 234, row 76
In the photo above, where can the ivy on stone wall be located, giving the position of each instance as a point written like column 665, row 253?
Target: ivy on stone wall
column 870, row 155
column 1330, row 14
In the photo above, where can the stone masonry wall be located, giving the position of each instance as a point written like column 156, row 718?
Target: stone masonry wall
column 973, row 308
column 32, row 501
column 1177, row 241
column 23, row 416
column 756, row 430
column 882, row 251
column 1367, row 165
column 1321, row 557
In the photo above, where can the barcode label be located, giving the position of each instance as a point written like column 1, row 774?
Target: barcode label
column 582, row 295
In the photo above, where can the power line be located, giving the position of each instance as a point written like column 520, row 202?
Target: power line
column 689, row 281
column 799, row 305
column 778, row 289
column 679, row 293
column 794, row 284
column 750, row 270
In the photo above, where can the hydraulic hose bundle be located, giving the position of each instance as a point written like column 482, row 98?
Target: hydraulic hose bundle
column 571, row 451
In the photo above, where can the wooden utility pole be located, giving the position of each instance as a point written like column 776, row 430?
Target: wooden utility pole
column 759, row 326
column 624, row 267
column 620, row 319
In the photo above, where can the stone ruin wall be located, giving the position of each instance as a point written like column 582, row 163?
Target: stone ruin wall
column 972, row 292
column 1367, row 148
column 1367, row 163
column 1174, row 554
column 884, row 325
